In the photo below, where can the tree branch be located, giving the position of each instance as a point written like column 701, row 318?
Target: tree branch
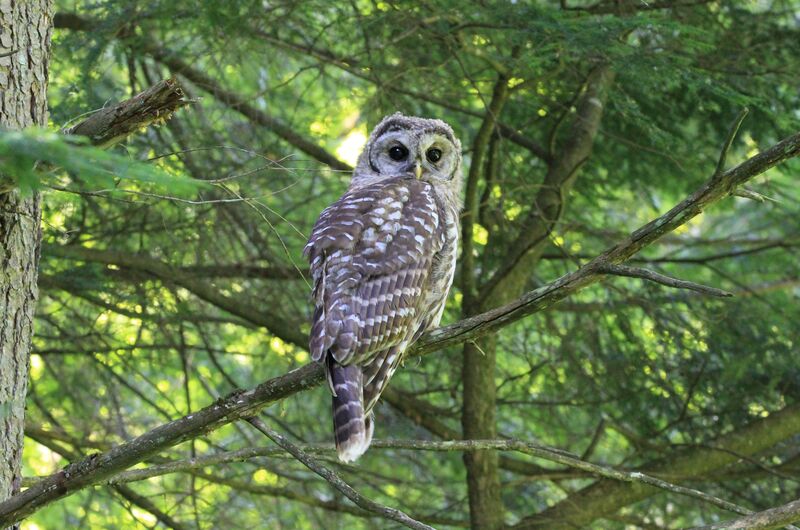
column 734, row 130
column 629, row 6
column 100, row 467
column 544, row 452
column 645, row 274
column 240, row 105
column 470, row 211
column 227, row 97
column 110, row 125
column 261, row 316
column 350, row 66
column 548, row 206
column 777, row 517
column 335, row 481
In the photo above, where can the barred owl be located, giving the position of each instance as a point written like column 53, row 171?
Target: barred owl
column 382, row 261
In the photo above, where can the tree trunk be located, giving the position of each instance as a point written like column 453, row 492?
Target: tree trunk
column 478, row 423
column 25, row 41
column 486, row 508
column 478, row 369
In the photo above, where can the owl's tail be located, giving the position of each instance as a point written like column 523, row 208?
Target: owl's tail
column 352, row 430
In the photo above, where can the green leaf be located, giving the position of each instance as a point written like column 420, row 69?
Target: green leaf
column 31, row 157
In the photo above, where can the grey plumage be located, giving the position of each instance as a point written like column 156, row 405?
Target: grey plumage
column 382, row 261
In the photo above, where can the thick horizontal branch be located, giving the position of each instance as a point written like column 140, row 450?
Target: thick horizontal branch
column 244, row 404
column 111, row 125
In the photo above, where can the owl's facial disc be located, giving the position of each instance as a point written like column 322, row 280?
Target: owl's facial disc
column 427, row 155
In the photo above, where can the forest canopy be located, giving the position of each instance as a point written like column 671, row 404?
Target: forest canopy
column 631, row 206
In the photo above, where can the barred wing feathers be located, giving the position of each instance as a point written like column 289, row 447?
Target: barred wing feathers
column 371, row 255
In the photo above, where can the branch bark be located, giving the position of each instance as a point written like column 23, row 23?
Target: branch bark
column 242, row 404
column 111, row 125
column 605, row 497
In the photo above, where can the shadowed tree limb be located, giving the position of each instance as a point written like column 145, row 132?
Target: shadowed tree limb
column 234, row 101
column 97, row 468
column 606, row 497
column 76, row 22
column 631, row 6
column 350, row 66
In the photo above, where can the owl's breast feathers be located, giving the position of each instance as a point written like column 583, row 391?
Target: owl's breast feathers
column 372, row 253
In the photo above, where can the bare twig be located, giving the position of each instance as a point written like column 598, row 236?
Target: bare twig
column 335, row 481
column 646, row 274
column 734, row 130
column 753, row 195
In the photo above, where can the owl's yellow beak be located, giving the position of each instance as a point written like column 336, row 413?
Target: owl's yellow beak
column 418, row 170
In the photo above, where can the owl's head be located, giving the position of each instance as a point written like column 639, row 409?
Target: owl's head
column 406, row 146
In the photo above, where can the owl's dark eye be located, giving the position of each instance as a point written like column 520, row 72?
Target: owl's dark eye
column 434, row 155
column 398, row 152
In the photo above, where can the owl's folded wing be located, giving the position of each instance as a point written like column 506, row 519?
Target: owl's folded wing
column 371, row 255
